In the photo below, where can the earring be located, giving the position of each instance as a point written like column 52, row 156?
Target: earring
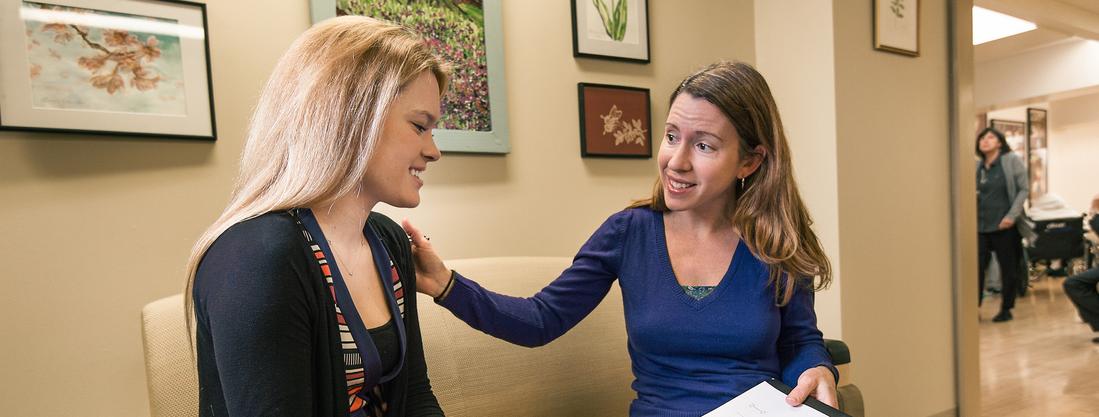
column 741, row 183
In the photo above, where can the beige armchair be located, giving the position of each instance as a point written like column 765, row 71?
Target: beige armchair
column 586, row 372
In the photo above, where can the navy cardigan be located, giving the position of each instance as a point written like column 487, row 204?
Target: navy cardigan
column 267, row 337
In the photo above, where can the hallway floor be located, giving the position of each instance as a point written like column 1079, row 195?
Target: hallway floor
column 1043, row 363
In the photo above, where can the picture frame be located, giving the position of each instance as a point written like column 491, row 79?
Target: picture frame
column 107, row 67
column 611, row 29
column 1037, row 160
column 1015, row 134
column 615, row 121
column 897, row 26
column 472, row 122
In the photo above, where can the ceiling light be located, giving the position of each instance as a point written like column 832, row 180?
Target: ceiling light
column 989, row 25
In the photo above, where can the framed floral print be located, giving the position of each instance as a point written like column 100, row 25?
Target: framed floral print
column 115, row 67
column 615, row 121
column 469, row 35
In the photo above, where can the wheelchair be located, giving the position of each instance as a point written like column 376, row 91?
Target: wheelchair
column 1058, row 239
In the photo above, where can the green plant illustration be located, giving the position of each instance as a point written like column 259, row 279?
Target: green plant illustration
column 897, row 6
column 614, row 18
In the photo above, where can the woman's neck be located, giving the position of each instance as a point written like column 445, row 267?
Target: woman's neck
column 990, row 157
column 344, row 219
column 700, row 223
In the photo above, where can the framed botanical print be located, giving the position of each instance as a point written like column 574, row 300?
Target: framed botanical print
column 1037, row 155
column 611, row 29
column 469, row 35
column 897, row 26
column 117, row 67
column 615, row 121
column 1015, row 134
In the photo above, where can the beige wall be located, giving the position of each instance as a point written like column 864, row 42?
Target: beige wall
column 1074, row 150
column 96, row 227
column 894, row 213
column 794, row 52
column 1068, row 65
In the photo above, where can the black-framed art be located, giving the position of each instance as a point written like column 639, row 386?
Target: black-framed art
column 469, row 34
column 1015, row 134
column 611, row 29
column 115, row 67
column 897, row 26
column 1037, row 156
column 615, row 121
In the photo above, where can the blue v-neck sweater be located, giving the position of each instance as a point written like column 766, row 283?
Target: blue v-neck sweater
column 689, row 356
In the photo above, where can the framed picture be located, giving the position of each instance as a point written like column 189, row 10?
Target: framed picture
column 1037, row 156
column 611, row 29
column 897, row 26
column 615, row 121
column 467, row 33
column 116, row 67
column 1014, row 132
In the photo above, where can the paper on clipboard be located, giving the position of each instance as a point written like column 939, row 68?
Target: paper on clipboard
column 767, row 399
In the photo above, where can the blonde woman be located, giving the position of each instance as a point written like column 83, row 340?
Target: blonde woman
column 716, row 269
column 303, row 299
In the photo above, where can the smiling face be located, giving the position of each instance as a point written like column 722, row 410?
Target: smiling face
column 406, row 145
column 700, row 157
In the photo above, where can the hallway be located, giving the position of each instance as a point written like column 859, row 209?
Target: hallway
column 1042, row 363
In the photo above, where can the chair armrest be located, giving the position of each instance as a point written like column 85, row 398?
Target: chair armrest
column 838, row 351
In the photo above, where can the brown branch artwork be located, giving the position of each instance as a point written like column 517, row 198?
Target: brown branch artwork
column 624, row 132
column 125, row 51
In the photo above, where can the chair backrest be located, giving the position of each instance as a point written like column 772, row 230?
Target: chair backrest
column 586, row 372
column 169, row 367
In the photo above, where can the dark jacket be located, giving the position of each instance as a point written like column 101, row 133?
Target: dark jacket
column 266, row 331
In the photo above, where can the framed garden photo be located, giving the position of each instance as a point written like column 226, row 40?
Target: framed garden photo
column 115, row 67
column 1037, row 156
column 468, row 34
column 1015, row 134
column 615, row 121
column 897, row 26
column 611, row 29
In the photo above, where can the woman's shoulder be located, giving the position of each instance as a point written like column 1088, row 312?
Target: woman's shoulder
column 1012, row 158
column 255, row 255
column 271, row 236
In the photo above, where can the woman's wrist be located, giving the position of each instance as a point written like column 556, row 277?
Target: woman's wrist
column 445, row 288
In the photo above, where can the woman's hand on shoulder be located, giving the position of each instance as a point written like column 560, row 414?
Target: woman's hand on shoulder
column 817, row 382
column 432, row 276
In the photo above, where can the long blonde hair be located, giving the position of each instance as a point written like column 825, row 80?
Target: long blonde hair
column 767, row 210
column 318, row 121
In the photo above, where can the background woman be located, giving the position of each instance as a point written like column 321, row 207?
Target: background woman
column 716, row 269
column 300, row 294
column 1001, row 192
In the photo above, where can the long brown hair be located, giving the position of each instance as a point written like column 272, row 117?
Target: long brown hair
column 767, row 210
column 319, row 119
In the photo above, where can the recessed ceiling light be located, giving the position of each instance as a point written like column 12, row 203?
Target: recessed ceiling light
column 989, row 25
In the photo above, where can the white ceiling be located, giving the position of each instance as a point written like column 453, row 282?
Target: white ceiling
column 1057, row 21
column 1089, row 5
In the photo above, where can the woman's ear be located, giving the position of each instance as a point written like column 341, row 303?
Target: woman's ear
column 752, row 161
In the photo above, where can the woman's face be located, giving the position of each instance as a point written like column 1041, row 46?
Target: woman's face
column 406, row 145
column 699, row 158
column 988, row 143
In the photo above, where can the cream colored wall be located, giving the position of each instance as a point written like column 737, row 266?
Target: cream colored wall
column 96, row 227
column 1069, row 65
column 1074, row 150
column 894, row 213
column 794, row 52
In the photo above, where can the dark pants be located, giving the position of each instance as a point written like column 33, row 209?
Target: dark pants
column 1008, row 246
column 1081, row 290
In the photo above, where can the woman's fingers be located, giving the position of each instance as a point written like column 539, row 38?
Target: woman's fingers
column 417, row 238
column 801, row 392
column 817, row 382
